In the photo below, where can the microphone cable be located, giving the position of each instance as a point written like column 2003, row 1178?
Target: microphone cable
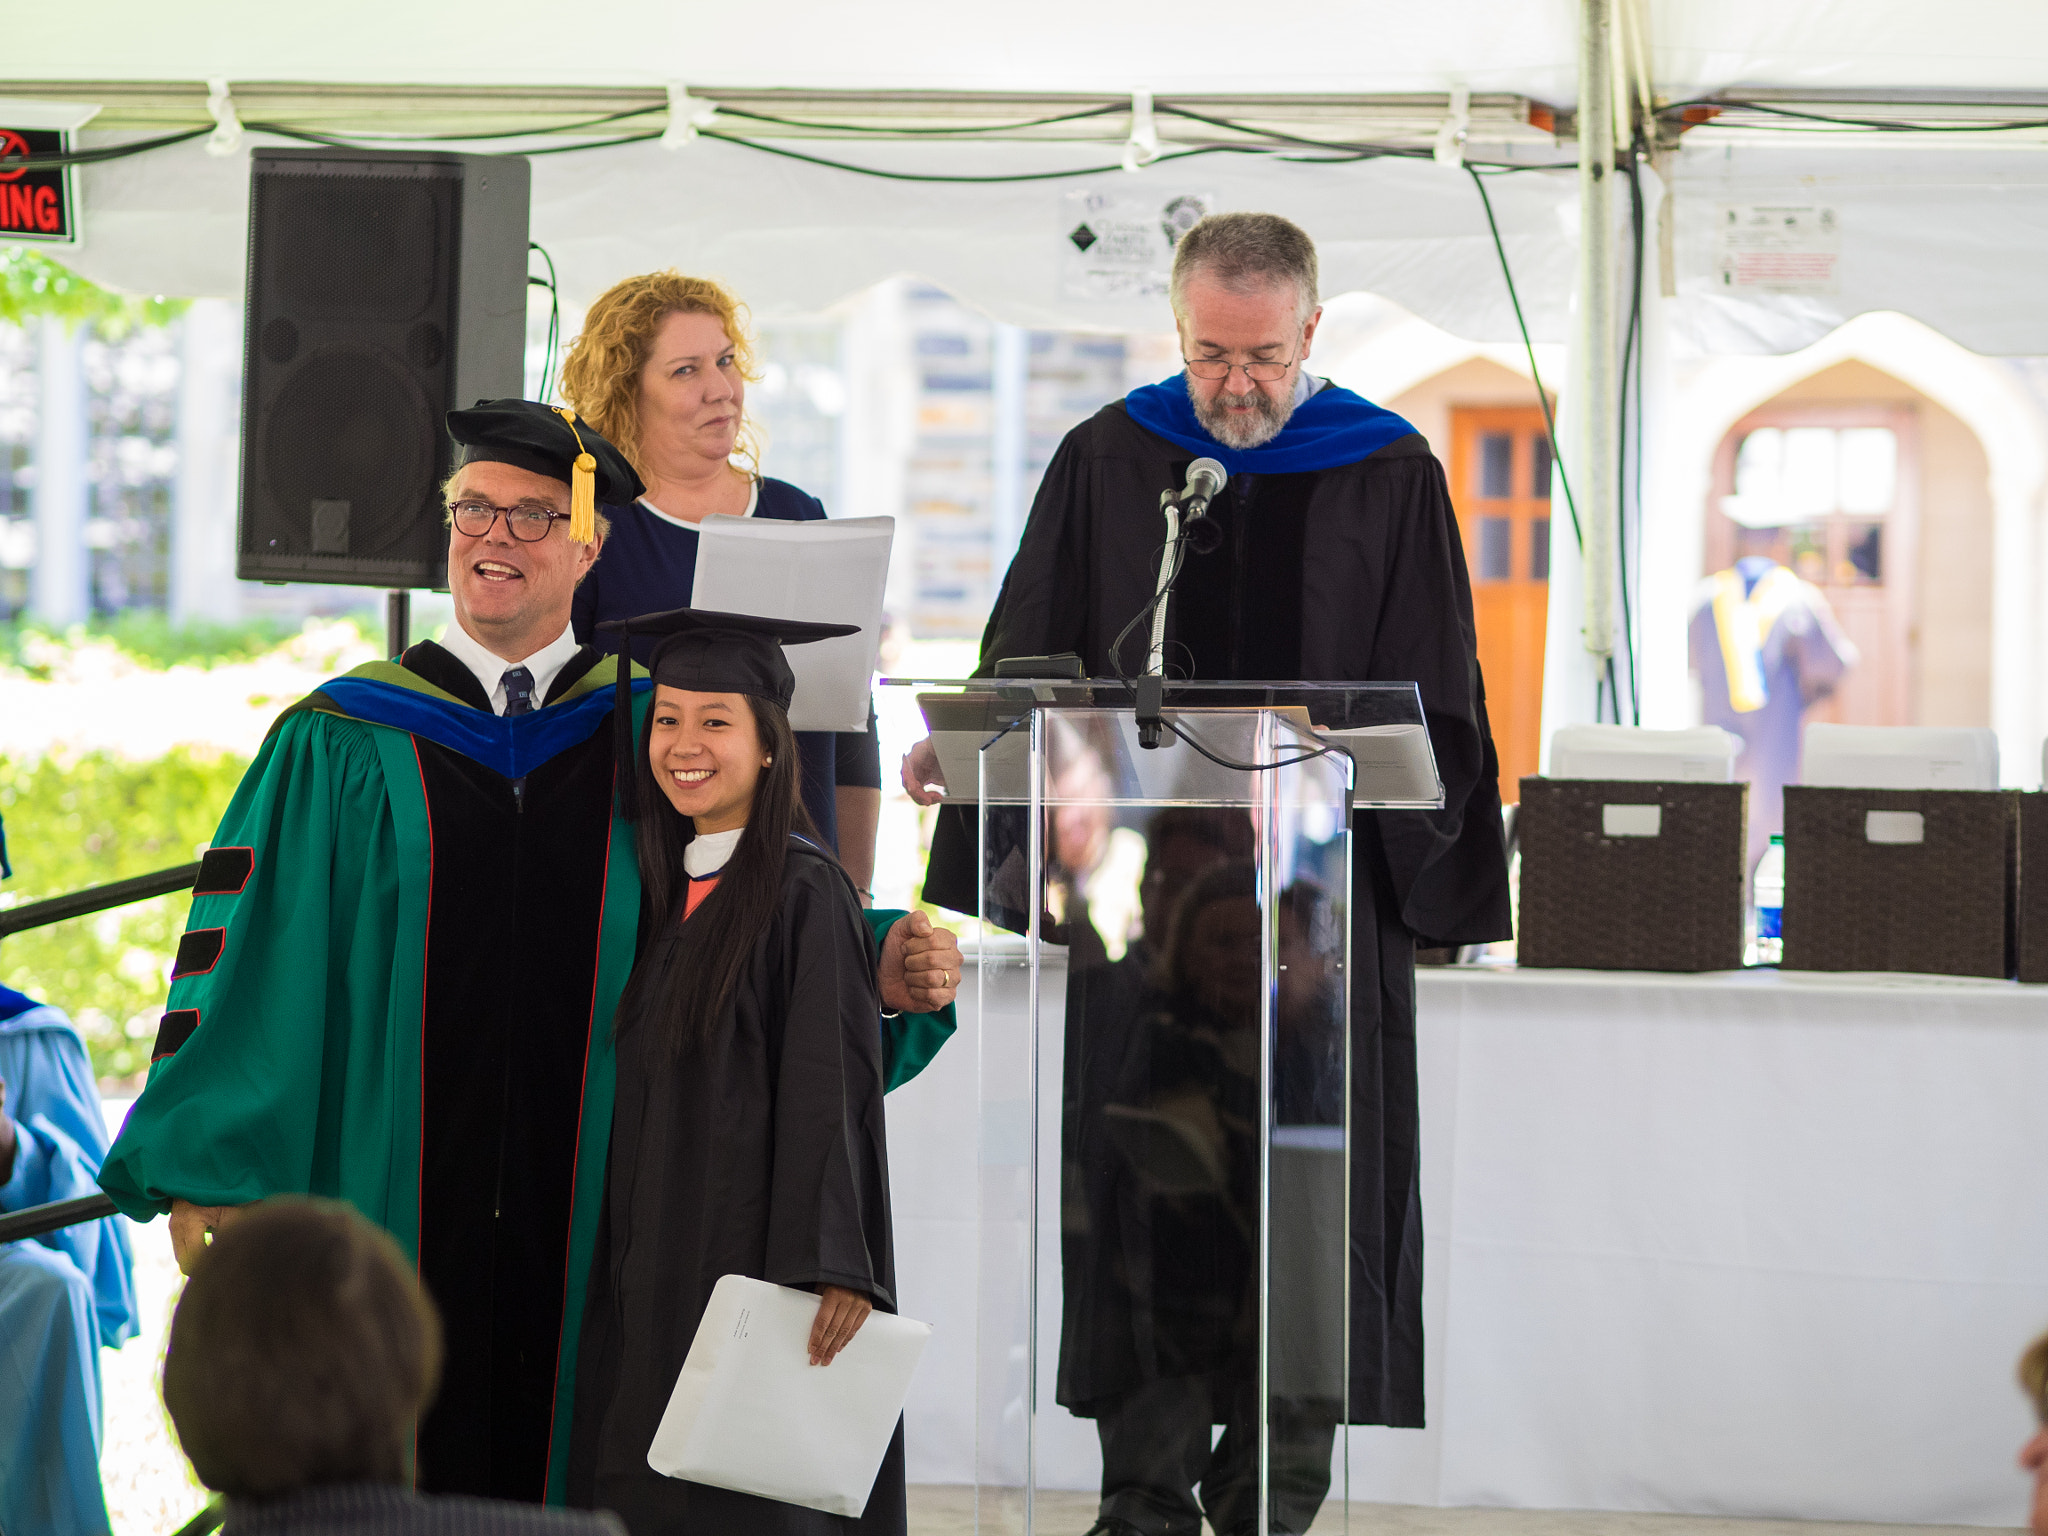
column 1172, row 550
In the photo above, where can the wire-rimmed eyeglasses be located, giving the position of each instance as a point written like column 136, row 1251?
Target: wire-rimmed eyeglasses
column 529, row 523
column 1221, row 368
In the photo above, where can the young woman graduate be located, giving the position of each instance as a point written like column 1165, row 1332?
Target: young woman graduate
column 747, row 1137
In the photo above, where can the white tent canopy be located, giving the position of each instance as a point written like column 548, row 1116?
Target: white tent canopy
column 1946, row 233
column 1352, row 46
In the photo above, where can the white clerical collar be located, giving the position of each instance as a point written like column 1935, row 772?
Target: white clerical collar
column 545, row 664
column 753, row 502
column 709, row 852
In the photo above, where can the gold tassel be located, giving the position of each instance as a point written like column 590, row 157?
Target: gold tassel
column 583, row 500
column 582, row 487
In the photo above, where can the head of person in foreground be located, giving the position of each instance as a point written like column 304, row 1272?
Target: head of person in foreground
column 301, row 1355
column 2034, row 1454
column 1244, row 301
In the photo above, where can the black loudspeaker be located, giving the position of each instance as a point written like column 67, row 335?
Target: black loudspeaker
column 385, row 289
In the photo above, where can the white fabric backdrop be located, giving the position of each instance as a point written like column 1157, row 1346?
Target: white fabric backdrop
column 1741, row 1245
column 1529, row 46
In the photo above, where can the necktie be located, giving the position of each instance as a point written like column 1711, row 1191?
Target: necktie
column 518, row 691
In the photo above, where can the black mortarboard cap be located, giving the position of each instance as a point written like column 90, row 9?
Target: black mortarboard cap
column 554, row 441
column 701, row 651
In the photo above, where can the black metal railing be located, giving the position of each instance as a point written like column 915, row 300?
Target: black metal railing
column 37, row 1220
column 96, row 898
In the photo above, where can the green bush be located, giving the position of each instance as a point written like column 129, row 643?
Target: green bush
column 85, row 820
column 148, row 636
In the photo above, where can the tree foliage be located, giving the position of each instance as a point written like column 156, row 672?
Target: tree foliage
column 32, row 285
column 85, row 820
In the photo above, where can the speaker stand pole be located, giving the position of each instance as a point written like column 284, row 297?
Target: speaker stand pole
column 397, row 622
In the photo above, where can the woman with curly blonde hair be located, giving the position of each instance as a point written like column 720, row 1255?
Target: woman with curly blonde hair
column 661, row 370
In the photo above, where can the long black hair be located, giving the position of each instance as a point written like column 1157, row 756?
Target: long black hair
column 719, row 939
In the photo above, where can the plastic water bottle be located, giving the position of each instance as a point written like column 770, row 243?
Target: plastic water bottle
column 1770, row 903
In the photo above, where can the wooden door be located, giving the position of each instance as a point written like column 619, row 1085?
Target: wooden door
column 1500, row 486
column 1848, row 521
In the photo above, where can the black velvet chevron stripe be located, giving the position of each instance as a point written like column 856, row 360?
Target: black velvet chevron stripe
column 198, row 952
column 224, row 871
column 175, row 1030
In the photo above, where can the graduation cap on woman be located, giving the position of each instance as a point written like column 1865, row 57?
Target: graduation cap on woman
column 701, row 651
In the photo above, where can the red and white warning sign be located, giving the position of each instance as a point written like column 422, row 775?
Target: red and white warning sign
column 39, row 200
column 1776, row 248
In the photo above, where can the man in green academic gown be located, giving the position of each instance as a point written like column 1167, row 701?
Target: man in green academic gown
column 405, row 948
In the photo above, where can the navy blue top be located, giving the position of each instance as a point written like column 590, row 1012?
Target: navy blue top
column 649, row 565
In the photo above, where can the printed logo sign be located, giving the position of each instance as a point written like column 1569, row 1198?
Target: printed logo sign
column 35, row 204
column 1761, row 248
column 1116, row 244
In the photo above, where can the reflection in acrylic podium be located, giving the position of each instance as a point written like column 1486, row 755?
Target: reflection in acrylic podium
column 1164, row 1069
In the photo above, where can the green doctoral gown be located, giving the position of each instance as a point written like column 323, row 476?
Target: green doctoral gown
column 396, row 989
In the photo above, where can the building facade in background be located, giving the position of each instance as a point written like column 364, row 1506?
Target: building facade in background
column 908, row 404
column 104, row 409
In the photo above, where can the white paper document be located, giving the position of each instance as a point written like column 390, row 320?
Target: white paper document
column 1899, row 757
column 1703, row 755
column 1395, row 764
column 825, row 572
column 961, row 725
column 751, row 1413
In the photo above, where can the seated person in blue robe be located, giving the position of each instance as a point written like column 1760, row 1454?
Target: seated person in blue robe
column 62, row 1295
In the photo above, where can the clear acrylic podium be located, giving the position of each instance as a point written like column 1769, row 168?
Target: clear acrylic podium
column 1163, row 1045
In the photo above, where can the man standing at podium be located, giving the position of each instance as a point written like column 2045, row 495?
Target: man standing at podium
column 1339, row 561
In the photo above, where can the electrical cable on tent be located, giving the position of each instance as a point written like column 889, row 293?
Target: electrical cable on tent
column 1141, row 149
column 547, row 366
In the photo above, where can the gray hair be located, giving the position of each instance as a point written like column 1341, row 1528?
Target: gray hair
column 1244, row 251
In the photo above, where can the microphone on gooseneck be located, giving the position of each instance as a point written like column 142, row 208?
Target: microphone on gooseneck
column 1205, row 478
column 1200, row 532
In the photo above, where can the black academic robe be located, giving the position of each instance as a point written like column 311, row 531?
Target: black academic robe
column 763, row 1155
column 1354, row 573
column 518, row 879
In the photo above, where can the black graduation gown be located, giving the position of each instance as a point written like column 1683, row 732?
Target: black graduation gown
column 765, row 1158
column 518, row 880
column 1349, row 574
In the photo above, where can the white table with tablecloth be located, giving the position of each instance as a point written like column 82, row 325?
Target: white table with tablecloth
column 1743, row 1244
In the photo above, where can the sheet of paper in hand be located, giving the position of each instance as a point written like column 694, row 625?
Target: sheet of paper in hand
column 829, row 571
column 751, row 1413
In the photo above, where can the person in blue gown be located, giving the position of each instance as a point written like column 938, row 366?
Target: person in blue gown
column 661, row 369
column 1766, row 648
column 63, row 1295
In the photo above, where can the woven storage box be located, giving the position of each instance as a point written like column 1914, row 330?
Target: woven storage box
column 2033, row 888
column 1940, row 906
column 1596, row 897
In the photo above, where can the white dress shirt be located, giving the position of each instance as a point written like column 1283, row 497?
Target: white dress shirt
column 545, row 664
column 709, row 852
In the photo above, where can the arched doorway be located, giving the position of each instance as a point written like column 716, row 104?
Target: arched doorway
column 1877, row 495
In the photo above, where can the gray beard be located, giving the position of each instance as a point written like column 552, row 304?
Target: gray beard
column 1241, row 431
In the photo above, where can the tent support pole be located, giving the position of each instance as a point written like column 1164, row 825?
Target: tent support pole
column 1596, row 475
